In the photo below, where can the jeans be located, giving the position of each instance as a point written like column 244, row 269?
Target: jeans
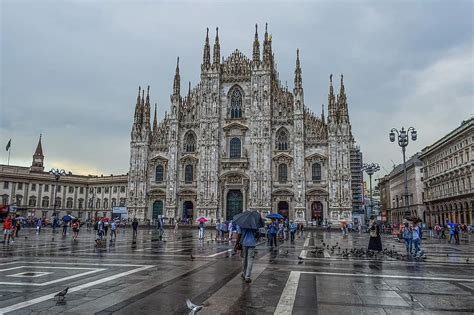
column 113, row 234
column 408, row 244
column 248, row 253
column 201, row 233
column 416, row 244
column 273, row 240
column 134, row 233
column 451, row 236
column 292, row 236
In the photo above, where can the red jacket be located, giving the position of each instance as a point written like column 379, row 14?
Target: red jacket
column 7, row 224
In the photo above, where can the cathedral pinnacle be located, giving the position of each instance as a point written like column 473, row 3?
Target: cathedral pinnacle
column 148, row 95
column 331, row 103
column 256, row 46
column 298, row 79
column 217, row 48
column 155, row 122
column 177, row 80
column 138, row 97
column 206, row 59
column 267, row 48
column 323, row 119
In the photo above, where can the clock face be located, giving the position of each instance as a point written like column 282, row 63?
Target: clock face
column 38, row 160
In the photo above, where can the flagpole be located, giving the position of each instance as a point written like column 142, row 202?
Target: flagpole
column 9, row 150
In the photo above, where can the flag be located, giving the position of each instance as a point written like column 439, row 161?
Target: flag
column 9, row 144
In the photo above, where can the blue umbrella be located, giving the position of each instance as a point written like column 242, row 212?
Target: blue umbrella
column 248, row 220
column 67, row 218
column 275, row 216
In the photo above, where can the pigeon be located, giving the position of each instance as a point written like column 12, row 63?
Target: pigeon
column 62, row 295
column 300, row 258
column 467, row 260
column 194, row 309
column 192, row 257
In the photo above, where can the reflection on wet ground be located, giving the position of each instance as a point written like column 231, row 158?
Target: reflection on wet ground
column 319, row 273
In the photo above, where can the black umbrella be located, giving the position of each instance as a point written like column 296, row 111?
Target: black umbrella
column 248, row 220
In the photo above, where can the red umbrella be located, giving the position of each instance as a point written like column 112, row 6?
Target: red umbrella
column 105, row 219
column 202, row 220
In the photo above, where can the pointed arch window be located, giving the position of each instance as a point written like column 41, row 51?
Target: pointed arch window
column 282, row 173
column 189, row 142
column 159, row 171
column 235, row 148
column 188, row 174
column 282, row 140
column 236, row 103
column 316, row 172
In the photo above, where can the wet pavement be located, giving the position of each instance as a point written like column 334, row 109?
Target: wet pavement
column 150, row 275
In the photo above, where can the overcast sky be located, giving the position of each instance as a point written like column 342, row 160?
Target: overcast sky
column 71, row 69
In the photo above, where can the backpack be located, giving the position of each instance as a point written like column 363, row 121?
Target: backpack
column 96, row 225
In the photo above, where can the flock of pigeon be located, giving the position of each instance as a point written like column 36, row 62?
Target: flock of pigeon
column 361, row 252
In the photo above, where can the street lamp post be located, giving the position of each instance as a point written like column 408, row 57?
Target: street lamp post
column 57, row 175
column 370, row 169
column 403, row 140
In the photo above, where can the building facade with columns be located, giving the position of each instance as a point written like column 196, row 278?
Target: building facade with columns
column 448, row 176
column 239, row 140
column 392, row 192
column 34, row 192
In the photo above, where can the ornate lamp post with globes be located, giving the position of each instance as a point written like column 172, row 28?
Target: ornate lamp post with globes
column 370, row 169
column 403, row 139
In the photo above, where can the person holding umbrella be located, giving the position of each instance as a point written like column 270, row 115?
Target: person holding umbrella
column 202, row 227
column 249, row 222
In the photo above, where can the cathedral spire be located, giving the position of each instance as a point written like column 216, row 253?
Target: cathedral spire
column 148, row 96
column 189, row 91
column 146, row 110
column 256, row 46
column 155, row 122
column 342, row 103
column 323, row 119
column 331, row 102
column 267, row 47
column 298, row 79
column 138, row 108
column 206, row 59
column 177, row 80
column 217, row 48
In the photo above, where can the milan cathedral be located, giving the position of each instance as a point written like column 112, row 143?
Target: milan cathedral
column 241, row 141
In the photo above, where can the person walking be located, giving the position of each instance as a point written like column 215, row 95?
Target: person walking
column 416, row 235
column 135, row 227
column 248, row 242
column 407, row 237
column 7, row 225
column 452, row 229
column 113, row 230
column 106, row 227
column 273, row 231
column 17, row 227
column 176, row 226
column 375, row 241
column 39, row 225
column 75, row 230
column 201, row 230
column 65, row 224
column 292, row 231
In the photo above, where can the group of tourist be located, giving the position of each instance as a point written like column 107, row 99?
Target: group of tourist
column 11, row 227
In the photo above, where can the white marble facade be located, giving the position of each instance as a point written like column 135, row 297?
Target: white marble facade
column 240, row 141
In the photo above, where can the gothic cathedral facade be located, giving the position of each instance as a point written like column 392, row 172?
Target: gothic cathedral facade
column 241, row 141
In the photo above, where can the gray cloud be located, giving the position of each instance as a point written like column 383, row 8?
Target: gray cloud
column 71, row 69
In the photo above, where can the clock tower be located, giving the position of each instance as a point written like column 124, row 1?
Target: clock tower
column 38, row 158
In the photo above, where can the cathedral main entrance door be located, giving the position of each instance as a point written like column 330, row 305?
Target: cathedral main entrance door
column 188, row 210
column 283, row 209
column 235, row 203
column 157, row 209
column 317, row 212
